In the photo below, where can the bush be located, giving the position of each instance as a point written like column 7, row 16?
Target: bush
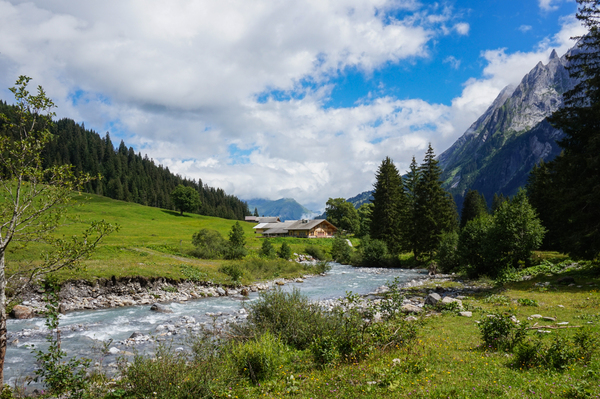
column 447, row 253
column 285, row 252
column 233, row 270
column 499, row 331
column 209, row 244
column 289, row 315
column 558, row 354
column 374, row 252
column 267, row 249
column 316, row 252
column 472, row 245
column 170, row 375
column 258, row 359
column 340, row 250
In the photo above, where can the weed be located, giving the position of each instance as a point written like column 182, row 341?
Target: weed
column 527, row 302
column 499, row 331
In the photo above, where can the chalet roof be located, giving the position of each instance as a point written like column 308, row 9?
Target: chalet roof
column 269, row 219
column 307, row 224
column 275, row 225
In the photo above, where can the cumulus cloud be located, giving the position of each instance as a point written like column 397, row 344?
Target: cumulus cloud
column 233, row 92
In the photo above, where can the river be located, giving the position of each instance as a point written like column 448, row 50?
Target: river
column 85, row 331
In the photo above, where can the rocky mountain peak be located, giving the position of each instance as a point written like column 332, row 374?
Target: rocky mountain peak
column 516, row 112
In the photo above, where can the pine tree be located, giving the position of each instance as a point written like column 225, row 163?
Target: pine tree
column 575, row 174
column 435, row 211
column 388, row 202
column 410, row 188
column 474, row 206
column 256, row 212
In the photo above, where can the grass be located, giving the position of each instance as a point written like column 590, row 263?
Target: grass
column 446, row 360
column 151, row 242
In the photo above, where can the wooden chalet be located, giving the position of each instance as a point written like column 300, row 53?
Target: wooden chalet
column 317, row 228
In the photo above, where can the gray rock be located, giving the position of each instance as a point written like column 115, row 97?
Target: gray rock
column 114, row 351
column 466, row 314
column 408, row 308
column 136, row 335
column 160, row 309
column 432, row 299
column 448, row 300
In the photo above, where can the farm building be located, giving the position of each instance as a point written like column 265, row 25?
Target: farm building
column 318, row 228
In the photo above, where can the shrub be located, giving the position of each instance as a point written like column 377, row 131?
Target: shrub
column 316, row 252
column 340, row 250
column 267, row 249
column 289, row 315
column 374, row 252
column 558, row 354
column 233, row 270
column 527, row 302
column 258, row 359
column 285, row 252
column 499, row 331
column 447, row 253
column 170, row 375
column 209, row 244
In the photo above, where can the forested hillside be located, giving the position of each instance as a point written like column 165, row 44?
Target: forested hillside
column 126, row 175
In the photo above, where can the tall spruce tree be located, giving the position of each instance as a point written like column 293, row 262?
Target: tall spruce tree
column 474, row 206
column 410, row 188
column 575, row 175
column 389, row 202
column 435, row 211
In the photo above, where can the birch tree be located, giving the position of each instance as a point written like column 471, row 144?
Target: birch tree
column 33, row 201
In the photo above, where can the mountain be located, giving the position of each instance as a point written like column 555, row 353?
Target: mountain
column 285, row 208
column 497, row 152
column 362, row 198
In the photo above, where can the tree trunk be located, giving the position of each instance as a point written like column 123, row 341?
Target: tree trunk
column 3, row 333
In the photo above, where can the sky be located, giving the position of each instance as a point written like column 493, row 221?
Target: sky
column 278, row 99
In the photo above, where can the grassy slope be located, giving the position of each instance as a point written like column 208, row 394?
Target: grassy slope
column 151, row 242
column 448, row 362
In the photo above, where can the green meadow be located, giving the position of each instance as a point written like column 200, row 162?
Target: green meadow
column 150, row 242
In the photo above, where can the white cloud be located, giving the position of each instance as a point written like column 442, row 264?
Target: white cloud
column 462, row 28
column 548, row 5
column 187, row 80
column 525, row 28
column 453, row 61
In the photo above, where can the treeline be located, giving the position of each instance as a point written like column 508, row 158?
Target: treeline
column 126, row 175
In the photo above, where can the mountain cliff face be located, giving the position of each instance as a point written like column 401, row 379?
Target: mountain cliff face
column 285, row 208
column 497, row 152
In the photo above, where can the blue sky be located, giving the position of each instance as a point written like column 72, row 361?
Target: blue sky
column 271, row 98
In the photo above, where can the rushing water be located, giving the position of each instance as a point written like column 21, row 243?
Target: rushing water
column 83, row 331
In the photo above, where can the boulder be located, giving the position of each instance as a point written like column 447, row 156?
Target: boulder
column 22, row 312
column 408, row 308
column 466, row 314
column 160, row 309
column 432, row 299
column 448, row 300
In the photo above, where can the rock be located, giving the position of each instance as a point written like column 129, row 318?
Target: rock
column 136, row 335
column 221, row 291
column 408, row 308
column 548, row 318
column 160, row 309
column 563, row 323
column 448, row 300
column 566, row 280
column 280, row 282
column 560, row 306
column 466, row 314
column 432, row 299
column 114, row 351
column 536, row 316
column 245, row 292
column 22, row 312
column 410, row 318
